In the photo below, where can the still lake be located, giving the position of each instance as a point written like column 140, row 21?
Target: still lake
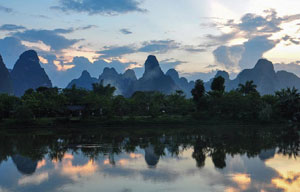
column 206, row 158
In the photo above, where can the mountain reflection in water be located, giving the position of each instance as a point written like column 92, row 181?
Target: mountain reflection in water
column 152, row 159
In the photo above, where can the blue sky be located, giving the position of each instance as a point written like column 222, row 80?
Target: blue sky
column 196, row 37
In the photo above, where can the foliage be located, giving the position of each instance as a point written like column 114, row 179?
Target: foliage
column 218, row 84
column 247, row 88
column 242, row 104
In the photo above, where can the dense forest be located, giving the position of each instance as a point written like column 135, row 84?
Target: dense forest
column 241, row 104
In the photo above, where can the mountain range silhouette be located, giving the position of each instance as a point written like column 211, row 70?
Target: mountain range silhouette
column 28, row 74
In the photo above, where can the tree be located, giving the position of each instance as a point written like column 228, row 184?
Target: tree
column 177, row 104
column 218, row 84
column 199, row 90
column 8, row 105
column 289, row 103
column 247, row 88
column 100, row 89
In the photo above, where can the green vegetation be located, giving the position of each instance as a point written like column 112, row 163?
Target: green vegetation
column 244, row 104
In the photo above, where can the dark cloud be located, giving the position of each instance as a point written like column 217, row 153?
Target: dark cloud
column 154, row 47
column 170, row 63
column 293, row 67
column 245, row 55
column 125, row 31
column 223, row 38
column 255, row 23
column 194, row 49
column 10, row 49
column 102, row 7
column 254, row 50
column 292, row 40
column 252, row 25
column 11, row 27
column 87, row 27
column 161, row 46
column 5, row 9
column 257, row 30
column 53, row 38
column 229, row 56
column 114, row 51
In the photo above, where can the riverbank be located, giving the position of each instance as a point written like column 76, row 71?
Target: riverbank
column 125, row 122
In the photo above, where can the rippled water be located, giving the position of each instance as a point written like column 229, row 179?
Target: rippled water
column 149, row 160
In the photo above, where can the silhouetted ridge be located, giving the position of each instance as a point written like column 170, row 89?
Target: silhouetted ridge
column 28, row 73
column 6, row 85
column 130, row 74
column 182, row 82
column 85, row 81
column 152, row 68
column 223, row 74
column 154, row 79
column 264, row 65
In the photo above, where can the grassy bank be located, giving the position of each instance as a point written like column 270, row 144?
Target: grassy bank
column 124, row 122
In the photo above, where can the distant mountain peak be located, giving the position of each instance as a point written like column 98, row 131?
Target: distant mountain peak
column 223, row 74
column 85, row 81
column 130, row 74
column 5, row 79
column 152, row 68
column 29, row 54
column 173, row 73
column 110, row 71
column 28, row 73
column 85, row 74
column 264, row 65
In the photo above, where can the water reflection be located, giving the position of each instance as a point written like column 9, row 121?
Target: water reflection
column 208, row 159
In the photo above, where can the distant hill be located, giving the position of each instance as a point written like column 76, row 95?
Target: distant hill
column 181, row 82
column 264, row 76
column 85, row 81
column 6, row 85
column 28, row 73
column 154, row 79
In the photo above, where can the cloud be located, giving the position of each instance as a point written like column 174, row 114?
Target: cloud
column 151, row 47
column 229, row 56
column 161, row 46
column 87, row 27
column 101, row 7
column 5, row 9
column 115, row 51
column 292, row 40
column 52, row 38
column 251, row 25
column 11, row 27
column 194, row 49
column 254, row 50
column 257, row 33
column 244, row 55
column 293, row 67
column 10, row 49
column 79, row 64
column 125, row 31
column 170, row 63
column 224, row 38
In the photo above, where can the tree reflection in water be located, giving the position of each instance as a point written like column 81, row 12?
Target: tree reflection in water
column 30, row 151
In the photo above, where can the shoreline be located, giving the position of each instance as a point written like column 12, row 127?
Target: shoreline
column 129, row 122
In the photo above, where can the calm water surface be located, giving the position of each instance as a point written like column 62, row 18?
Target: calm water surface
column 135, row 160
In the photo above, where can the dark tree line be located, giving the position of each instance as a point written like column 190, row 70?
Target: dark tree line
column 244, row 103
